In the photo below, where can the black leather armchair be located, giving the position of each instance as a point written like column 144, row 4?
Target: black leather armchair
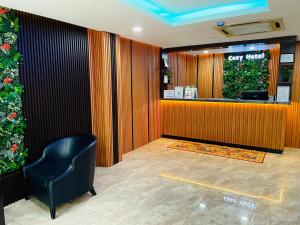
column 65, row 171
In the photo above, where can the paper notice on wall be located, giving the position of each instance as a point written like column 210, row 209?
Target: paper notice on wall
column 179, row 92
column 169, row 93
column 283, row 94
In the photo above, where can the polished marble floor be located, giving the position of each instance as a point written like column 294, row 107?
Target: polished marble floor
column 155, row 185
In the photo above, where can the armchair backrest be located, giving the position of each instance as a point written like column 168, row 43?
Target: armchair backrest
column 68, row 147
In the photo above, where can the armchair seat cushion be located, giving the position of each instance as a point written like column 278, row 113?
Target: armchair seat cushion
column 42, row 173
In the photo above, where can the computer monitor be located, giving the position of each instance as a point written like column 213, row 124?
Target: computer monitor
column 255, row 95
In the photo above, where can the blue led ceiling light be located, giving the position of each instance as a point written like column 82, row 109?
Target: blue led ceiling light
column 182, row 12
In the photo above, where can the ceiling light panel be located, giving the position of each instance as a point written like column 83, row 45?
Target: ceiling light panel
column 182, row 12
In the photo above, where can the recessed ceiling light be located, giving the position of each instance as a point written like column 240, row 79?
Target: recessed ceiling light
column 137, row 29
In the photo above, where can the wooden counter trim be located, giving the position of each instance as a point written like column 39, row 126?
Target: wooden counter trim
column 257, row 125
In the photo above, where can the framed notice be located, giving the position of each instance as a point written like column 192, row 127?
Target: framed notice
column 283, row 93
column 287, row 58
column 179, row 92
column 190, row 92
column 169, row 93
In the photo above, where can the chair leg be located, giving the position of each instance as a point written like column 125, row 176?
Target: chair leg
column 93, row 192
column 53, row 212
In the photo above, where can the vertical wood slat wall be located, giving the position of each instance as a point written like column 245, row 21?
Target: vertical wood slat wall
column 124, row 89
column 293, row 113
column 191, row 70
column 218, row 75
column 205, row 75
column 173, row 66
column 101, row 95
column 138, row 93
column 274, row 67
column 154, row 94
column 56, row 99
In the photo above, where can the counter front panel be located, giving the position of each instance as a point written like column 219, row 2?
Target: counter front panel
column 257, row 125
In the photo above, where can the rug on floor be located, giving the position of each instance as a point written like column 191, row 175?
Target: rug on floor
column 218, row 150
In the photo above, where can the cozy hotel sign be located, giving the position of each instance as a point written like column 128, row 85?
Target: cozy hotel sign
column 245, row 56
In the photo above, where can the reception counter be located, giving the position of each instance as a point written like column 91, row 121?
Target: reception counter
column 261, row 125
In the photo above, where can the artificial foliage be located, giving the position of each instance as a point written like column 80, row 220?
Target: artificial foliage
column 12, row 123
column 240, row 76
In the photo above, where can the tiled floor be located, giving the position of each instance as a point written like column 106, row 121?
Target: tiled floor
column 199, row 189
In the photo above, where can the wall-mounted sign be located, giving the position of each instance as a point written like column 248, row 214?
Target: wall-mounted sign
column 169, row 93
column 179, row 92
column 283, row 94
column 248, row 56
column 287, row 58
column 190, row 92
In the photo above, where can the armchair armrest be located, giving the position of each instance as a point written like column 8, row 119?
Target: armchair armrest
column 32, row 165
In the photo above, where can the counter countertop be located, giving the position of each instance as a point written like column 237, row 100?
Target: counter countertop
column 229, row 100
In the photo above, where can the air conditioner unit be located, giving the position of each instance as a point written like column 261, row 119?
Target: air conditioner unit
column 255, row 27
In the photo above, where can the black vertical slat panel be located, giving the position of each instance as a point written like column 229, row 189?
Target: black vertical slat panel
column 114, row 98
column 55, row 75
column 56, row 99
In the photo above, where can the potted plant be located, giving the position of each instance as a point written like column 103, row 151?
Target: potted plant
column 167, row 75
column 286, row 73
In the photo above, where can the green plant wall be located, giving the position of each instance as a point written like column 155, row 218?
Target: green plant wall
column 240, row 76
column 12, row 123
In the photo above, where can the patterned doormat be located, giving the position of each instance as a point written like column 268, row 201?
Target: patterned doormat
column 222, row 151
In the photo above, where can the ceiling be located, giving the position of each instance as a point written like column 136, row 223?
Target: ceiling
column 116, row 17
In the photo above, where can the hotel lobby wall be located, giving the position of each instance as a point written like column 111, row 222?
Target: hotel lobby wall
column 56, row 100
column 206, row 71
column 55, row 75
column 139, row 91
column 293, row 115
column 138, row 94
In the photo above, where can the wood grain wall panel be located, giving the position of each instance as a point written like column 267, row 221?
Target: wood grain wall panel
column 273, row 68
column 173, row 62
column 101, row 95
column 191, row 70
column 293, row 115
column 257, row 125
column 218, row 75
column 154, row 93
column 181, row 68
column 140, row 93
column 124, row 94
column 205, row 75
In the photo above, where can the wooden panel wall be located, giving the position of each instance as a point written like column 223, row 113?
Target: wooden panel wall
column 191, row 70
column 181, row 68
column 218, row 75
column 140, row 93
column 205, row 75
column 293, row 116
column 173, row 62
column 274, row 67
column 154, row 93
column 101, row 95
column 258, row 125
column 124, row 94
